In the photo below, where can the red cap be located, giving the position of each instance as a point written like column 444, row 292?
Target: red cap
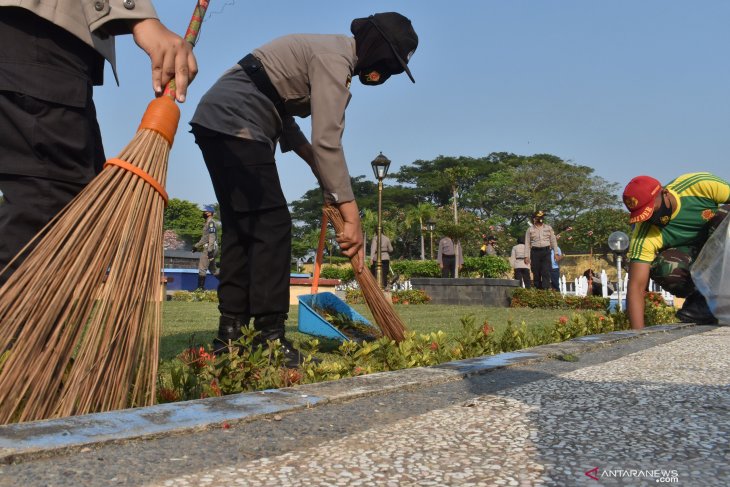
column 639, row 197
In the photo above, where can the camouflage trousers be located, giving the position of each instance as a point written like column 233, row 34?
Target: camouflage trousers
column 671, row 268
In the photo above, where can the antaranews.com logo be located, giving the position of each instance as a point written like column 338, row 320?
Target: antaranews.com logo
column 659, row 475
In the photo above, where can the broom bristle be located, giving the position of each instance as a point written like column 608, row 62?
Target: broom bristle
column 385, row 316
column 81, row 315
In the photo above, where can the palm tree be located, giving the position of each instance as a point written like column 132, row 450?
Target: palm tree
column 420, row 213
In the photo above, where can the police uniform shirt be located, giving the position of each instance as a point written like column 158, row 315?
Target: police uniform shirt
column 447, row 247
column 312, row 75
column 698, row 196
column 385, row 248
column 540, row 236
column 517, row 257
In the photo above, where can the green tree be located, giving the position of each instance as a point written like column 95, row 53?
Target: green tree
column 543, row 181
column 589, row 233
column 185, row 218
column 420, row 214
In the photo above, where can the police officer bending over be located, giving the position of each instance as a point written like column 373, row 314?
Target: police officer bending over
column 672, row 224
column 238, row 124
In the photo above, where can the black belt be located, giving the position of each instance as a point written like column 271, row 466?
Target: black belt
column 541, row 248
column 256, row 71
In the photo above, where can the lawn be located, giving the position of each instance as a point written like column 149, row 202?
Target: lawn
column 187, row 324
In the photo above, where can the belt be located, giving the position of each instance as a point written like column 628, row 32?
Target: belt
column 256, row 71
column 541, row 248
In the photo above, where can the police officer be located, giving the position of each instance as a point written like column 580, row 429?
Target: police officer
column 237, row 126
column 208, row 247
column 52, row 55
column 517, row 261
column 539, row 239
column 672, row 223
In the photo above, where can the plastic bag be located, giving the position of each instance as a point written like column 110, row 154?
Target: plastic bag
column 711, row 272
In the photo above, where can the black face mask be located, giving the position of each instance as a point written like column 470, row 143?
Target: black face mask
column 373, row 76
column 661, row 216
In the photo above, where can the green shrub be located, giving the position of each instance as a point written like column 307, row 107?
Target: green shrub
column 538, row 298
column 197, row 295
column 343, row 273
column 411, row 296
column 489, row 266
column 407, row 269
column 198, row 373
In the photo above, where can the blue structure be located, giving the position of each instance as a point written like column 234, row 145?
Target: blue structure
column 187, row 280
column 311, row 323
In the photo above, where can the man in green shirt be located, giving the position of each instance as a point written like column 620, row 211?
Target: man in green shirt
column 672, row 224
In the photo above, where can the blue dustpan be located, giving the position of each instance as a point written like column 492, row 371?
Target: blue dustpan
column 311, row 323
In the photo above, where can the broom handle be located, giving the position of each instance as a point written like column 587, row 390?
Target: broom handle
column 191, row 36
column 320, row 254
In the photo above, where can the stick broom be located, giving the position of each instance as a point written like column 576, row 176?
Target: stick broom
column 385, row 316
column 80, row 317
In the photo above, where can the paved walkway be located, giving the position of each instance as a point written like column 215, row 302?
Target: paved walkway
column 661, row 415
column 648, row 409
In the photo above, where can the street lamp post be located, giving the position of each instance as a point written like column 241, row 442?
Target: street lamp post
column 431, row 226
column 380, row 169
column 618, row 242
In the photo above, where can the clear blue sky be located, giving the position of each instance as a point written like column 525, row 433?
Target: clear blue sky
column 626, row 87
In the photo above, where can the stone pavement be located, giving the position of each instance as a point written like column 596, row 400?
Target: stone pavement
column 634, row 409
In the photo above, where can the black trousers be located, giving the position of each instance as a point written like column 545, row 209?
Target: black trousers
column 386, row 270
column 540, row 265
column 449, row 268
column 256, row 225
column 523, row 275
column 50, row 143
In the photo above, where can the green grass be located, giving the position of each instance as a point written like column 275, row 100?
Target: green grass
column 187, row 324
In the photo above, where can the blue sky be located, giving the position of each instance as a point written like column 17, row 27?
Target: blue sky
column 626, row 87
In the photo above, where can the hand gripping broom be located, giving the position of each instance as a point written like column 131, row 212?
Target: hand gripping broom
column 385, row 316
column 80, row 317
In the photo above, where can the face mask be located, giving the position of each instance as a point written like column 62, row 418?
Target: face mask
column 661, row 216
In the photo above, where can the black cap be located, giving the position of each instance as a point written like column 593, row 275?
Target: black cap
column 397, row 31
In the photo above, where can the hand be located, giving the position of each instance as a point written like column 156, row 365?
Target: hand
column 527, row 260
column 171, row 56
column 351, row 238
column 558, row 258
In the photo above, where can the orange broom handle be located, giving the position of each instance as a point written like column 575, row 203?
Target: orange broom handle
column 320, row 254
column 191, row 36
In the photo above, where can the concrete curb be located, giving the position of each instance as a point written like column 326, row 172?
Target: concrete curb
column 46, row 438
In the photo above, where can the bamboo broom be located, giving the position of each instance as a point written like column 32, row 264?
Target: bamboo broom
column 385, row 316
column 80, row 317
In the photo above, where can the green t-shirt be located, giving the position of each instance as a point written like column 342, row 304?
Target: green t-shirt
column 698, row 196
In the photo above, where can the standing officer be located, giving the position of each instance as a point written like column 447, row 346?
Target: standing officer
column 447, row 257
column 208, row 247
column 52, row 56
column 539, row 239
column 517, row 260
column 237, row 126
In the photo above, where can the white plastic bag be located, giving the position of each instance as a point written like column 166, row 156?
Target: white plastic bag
column 711, row 272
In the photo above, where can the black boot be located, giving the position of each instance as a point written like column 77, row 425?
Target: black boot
column 270, row 328
column 201, row 282
column 695, row 310
column 229, row 329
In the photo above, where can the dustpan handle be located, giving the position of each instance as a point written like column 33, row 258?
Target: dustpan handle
column 191, row 36
column 320, row 254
